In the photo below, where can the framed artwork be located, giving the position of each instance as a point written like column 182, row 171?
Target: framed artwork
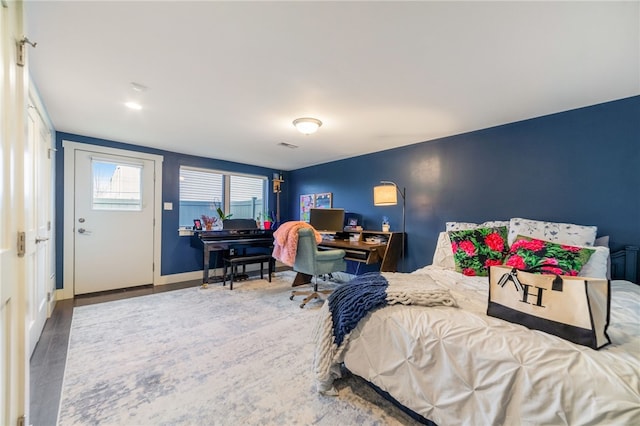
column 323, row 201
column 306, row 204
column 197, row 224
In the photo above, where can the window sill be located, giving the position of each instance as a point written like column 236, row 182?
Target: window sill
column 185, row 231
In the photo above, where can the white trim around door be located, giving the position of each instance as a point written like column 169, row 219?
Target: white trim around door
column 69, row 196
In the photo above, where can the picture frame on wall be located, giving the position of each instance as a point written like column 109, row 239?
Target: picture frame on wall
column 307, row 202
column 323, row 200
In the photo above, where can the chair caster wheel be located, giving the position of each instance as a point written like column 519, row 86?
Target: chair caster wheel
column 302, row 306
column 291, row 297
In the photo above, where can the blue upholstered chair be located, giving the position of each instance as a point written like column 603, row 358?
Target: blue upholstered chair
column 311, row 262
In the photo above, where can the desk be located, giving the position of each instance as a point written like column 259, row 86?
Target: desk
column 210, row 241
column 385, row 253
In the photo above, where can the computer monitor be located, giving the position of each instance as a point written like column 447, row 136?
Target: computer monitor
column 327, row 220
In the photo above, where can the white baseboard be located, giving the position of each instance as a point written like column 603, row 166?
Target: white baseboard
column 60, row 294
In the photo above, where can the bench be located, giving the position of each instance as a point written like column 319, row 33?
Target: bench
column 233, row 262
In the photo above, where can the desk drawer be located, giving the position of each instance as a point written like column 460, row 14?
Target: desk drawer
column 360, row 256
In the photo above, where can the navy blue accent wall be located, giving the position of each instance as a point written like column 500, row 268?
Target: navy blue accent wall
column 579, row 166
column 177, row 255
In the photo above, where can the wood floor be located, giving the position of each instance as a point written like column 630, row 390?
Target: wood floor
column 50, row 355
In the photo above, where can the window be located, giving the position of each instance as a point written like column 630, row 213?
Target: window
column 116, row 186
column 202, row 191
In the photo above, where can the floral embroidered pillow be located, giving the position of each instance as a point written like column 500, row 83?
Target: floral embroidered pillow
column 475, row 250
column 528, row 253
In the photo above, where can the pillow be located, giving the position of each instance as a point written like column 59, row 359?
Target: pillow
column 462, row 226
column 598, row 264
column 561, row 233
column 475, row 250
column 547, row 257
column 443, row 256
column 604, row 242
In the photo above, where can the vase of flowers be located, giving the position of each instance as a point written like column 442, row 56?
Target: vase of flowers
column 208, row 222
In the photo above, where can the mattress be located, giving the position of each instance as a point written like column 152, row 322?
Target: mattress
column 459, row 366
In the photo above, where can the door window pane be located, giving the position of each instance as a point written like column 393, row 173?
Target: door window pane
column 116, row 186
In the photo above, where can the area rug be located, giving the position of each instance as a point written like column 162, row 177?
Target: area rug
column 207, row 357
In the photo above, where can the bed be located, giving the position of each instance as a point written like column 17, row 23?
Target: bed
column 454, row 365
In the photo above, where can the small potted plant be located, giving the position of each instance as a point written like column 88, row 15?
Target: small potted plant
column 385, row 224
column 267, row 221
column 222, row 215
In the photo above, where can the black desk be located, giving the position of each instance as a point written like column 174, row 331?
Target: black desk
column 235, row 239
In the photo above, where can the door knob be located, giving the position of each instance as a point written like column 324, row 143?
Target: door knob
column 41, row 240
column 83, row 231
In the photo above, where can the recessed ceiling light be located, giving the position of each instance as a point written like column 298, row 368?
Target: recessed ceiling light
column 133, row 105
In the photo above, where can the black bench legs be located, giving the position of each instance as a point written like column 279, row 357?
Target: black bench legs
column 232, row 263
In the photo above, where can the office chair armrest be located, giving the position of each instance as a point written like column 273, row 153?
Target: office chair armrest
column 327, row 255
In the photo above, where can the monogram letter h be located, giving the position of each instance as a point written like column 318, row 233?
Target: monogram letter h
column 538, row 296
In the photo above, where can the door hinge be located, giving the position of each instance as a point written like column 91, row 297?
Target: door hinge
column 21, row 244
column 153, row 267
column 21, row 420
column 48, row 296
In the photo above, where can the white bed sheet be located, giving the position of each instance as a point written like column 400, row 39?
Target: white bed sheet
column 459, row 366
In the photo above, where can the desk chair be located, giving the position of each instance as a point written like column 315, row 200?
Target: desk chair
column 313, row 262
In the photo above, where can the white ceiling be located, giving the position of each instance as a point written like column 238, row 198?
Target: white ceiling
column 226, row 79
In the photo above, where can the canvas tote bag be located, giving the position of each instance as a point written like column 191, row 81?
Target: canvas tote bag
column 573, row 308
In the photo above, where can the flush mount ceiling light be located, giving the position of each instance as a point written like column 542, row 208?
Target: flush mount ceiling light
column 307, row 125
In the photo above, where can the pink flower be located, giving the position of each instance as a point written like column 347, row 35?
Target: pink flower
column 492, row 262
column 552, row 270
column 517, row 244
column 550, row 261
column 469, row 272
column 495, row 242
column 570, row 248
column 454, row 246
column 468, row 247
column 534, row 245
column 516, row 262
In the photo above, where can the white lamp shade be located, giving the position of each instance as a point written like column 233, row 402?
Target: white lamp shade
column 385, row 195
column 307, row 125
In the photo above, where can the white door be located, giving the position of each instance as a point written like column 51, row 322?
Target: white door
column 38, row 224
column 113, row 221
column 14, row 371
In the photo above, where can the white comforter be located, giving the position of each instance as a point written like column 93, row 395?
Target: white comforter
column 458, row 366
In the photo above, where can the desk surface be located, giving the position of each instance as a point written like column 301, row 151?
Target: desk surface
column 347, row 244
column 385, row 253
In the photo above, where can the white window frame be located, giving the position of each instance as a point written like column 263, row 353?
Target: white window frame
column 226, row 186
